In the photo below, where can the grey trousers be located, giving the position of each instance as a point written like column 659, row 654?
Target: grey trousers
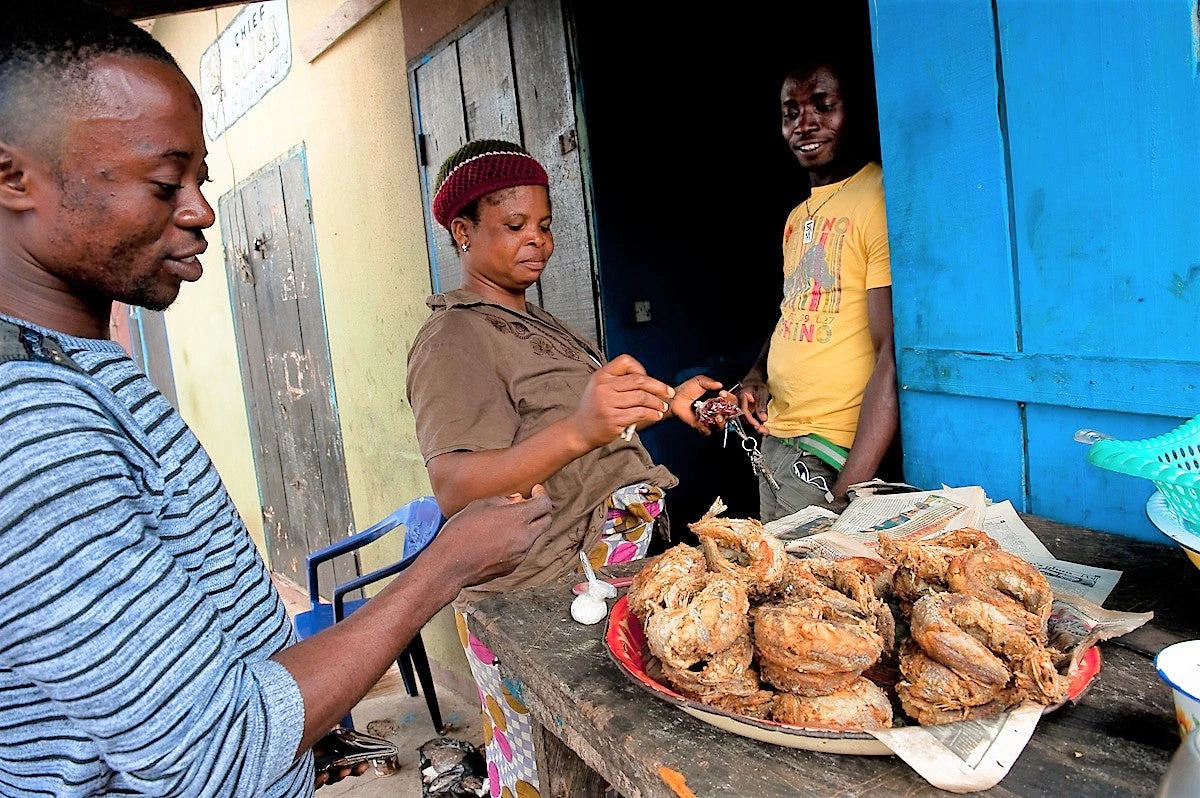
column 794, row 493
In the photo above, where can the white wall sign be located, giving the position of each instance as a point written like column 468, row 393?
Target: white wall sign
column 251, row 56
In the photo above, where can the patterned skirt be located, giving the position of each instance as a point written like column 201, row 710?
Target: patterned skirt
column 507, row 728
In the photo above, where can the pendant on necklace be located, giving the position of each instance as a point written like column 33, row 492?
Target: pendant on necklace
column 809, row 226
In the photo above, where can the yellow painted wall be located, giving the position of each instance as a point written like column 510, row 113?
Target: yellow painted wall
column 350, row 109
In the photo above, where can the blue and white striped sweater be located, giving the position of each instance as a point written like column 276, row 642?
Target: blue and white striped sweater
column 136, row 615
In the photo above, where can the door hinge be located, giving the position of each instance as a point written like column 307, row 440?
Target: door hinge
column 422, row 156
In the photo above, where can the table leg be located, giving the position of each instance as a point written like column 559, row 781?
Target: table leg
column 561, row 773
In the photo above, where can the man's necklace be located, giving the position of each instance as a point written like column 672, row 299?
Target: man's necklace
column 810, row 223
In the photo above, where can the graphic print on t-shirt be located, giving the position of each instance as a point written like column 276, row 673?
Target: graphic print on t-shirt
column 812, row 284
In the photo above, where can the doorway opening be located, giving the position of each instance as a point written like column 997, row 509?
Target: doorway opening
column 691, row 184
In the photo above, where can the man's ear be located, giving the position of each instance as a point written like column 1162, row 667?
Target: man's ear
column 14, row 178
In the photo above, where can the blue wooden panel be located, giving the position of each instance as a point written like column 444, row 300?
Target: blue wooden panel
column 1041, row 171
column 945, row 174
column 956, row 440
column 1103, row 105
column 1065, row 486
column 1156, row 387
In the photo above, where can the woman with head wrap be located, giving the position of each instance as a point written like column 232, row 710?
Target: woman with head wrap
column 506, row 397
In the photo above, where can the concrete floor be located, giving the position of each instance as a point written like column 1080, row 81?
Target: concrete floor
column 387, row 711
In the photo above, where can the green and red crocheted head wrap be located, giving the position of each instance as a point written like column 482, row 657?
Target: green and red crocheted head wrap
column 481, row 167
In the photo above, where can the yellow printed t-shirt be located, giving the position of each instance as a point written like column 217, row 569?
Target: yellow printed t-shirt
column 821, row 352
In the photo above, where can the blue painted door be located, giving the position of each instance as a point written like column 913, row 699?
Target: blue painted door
column 1042, row 173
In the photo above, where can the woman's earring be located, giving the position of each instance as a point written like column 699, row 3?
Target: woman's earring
column 464, row 246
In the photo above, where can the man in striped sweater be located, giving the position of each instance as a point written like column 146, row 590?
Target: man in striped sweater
column 143, row 648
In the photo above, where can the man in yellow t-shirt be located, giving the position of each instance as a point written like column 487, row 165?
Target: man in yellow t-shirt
column 823, row 390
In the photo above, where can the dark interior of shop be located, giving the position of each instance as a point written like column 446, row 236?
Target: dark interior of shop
column 692, row 183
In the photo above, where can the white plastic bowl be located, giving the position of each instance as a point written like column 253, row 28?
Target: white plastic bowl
column 1171, row 525
column 1179, row 666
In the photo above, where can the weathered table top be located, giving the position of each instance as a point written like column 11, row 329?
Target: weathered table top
column 1117, row 741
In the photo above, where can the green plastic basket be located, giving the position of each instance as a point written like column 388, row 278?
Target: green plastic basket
column 1170, row 461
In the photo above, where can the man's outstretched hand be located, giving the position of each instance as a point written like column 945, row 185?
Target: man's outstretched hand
column 332, row 747
column 490, row 537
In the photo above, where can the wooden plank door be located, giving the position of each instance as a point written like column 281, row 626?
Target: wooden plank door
column 552, row 135
column 271, row 265
column 1040, row 168
column 441, row 129
column 1105, row 171
column 507, row 75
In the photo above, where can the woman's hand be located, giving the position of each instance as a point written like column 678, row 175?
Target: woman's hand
column 618, row 395
column 686, row 395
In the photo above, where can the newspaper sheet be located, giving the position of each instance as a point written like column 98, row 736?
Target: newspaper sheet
column 974, row 499
column 1001, row 522
column 902, row 518
column 1077, row 579
column 912, row 515
column 967, row 756
column 830, row 546
column 802, row 523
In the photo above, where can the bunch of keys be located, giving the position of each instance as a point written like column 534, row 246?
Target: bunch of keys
column 707, row 410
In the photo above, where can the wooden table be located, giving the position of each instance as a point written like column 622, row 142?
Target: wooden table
column 597, row 724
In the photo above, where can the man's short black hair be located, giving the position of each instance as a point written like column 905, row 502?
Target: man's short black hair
column 46, row 47
column 849, row 67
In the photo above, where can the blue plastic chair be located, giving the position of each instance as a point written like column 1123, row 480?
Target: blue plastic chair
column 421, row 519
